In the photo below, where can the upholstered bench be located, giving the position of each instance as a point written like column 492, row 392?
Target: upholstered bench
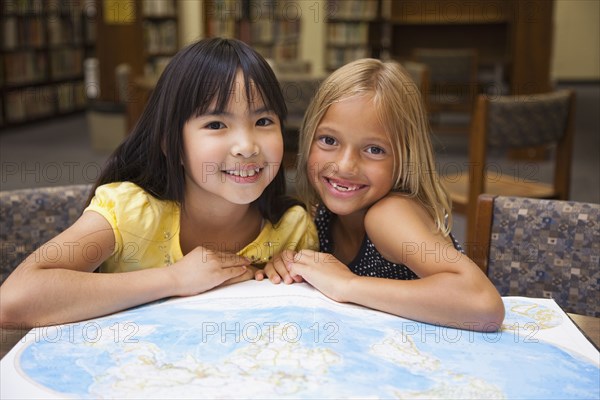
column 31, row 217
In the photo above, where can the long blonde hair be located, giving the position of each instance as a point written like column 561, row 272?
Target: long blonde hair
column 400, row 110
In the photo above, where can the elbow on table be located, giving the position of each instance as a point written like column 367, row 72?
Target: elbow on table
column 12, row 309
column 492, row 312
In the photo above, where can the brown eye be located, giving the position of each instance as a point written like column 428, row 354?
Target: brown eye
column 215, row 125
column 264, row 122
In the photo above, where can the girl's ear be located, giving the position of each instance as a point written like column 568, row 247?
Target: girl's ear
column 163, row 148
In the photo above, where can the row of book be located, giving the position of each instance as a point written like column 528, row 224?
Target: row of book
column 39, row 32
column 160, row 37
column 268, row 32
column 346, row 34
column 159, row 8
column 17, row 33
column 41, row 101
column 42, row 46
column 280, row 51
column 48, row 7
column 336, row 57
column 364, row 10
column 256, row 10
column 22, row 7
column 34, row 67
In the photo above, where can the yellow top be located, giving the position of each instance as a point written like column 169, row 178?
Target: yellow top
column 147, row 230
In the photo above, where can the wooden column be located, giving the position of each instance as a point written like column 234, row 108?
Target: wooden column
column 119, row 40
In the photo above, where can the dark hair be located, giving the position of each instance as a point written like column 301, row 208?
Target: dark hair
column 197, row 75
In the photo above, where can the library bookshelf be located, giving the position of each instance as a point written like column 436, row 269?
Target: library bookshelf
column 356, row 29
column 271, row 27
column 513, row 39
column 142, row 34
column 42, row 48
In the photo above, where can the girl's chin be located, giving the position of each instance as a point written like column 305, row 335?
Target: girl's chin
column 340, row 207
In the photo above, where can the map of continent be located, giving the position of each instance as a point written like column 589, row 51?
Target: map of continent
column 300, row 345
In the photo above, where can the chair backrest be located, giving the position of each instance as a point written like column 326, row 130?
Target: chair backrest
column 527, row 121
column 509, row 120
column 452, row 76
column 31, row 217
column 541, row 248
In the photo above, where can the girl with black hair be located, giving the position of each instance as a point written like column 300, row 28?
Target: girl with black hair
column 192, row 199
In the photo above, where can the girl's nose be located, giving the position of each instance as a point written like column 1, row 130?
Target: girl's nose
column 245, row 145
column 348, row 163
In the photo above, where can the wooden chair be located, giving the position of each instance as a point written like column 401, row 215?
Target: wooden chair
column 452, row 84
column 31, row 217
column 509, row 122
column 541, row 248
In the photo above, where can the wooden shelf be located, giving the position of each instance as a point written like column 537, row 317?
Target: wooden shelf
column 271, row 27
column 492, row 41
column 42, row 48
column 450, row 12
column 145, row 42
column 355, row 29
column 514, row 38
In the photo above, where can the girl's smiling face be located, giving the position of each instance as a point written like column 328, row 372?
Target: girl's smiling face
column 350, row 163
column 233, row 154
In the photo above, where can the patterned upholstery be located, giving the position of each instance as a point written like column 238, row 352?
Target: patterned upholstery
column 547, row 248
column 31, row 217
column 532, row 120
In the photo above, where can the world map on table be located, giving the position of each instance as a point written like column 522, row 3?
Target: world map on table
column 305, row 346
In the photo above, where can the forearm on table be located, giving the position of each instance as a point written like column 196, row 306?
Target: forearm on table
column 54, row 296
column 440, row 299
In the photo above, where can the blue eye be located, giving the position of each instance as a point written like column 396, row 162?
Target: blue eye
column 375, row 150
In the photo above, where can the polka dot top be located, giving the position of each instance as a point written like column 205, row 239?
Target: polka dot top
column 368, row 261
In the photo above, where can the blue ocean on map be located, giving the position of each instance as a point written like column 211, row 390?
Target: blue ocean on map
column 231, row 348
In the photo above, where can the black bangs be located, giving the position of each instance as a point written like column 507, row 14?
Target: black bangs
column 205, row 73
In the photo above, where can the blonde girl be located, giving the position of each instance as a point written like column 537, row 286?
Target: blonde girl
column 366, row 167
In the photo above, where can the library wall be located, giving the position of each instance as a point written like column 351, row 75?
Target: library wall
column 576, row 41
